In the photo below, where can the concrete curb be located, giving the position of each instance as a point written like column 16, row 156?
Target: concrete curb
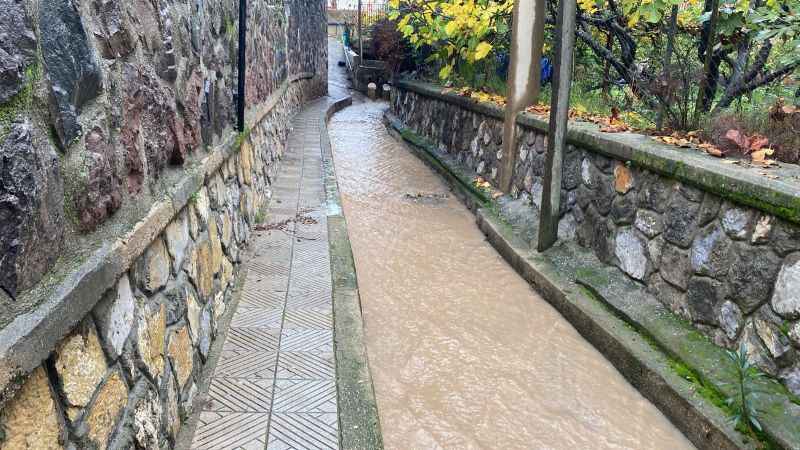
column 359, row 423
column 646, row 368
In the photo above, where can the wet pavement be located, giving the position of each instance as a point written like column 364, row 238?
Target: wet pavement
column 463, row 353
column 273, row 385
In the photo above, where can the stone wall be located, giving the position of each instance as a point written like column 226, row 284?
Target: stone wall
column 127, row 199
column 731, row 269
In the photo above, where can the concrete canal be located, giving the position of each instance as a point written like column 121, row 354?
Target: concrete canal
column 464, row 354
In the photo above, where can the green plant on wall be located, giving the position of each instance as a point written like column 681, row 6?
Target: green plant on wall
column 745, row 414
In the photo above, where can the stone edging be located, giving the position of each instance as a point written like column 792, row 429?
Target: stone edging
column 646, row 369
column 359, row 423
column 29, row 339
column 738, row 184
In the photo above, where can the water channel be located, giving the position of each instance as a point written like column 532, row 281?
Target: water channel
column 464, row 354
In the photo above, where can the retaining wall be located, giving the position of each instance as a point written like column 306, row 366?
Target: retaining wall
column 127, row 199
column 718, row 243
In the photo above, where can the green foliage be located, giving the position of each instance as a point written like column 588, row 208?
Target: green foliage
column 464, row 37
column 744, row 412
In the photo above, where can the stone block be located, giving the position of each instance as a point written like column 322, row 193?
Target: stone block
column 737, row 222
column 80, row 365
column 623, row 209
column 216, row 245
column 785, row 237
column 762, row 230
column 71, row 69
column 152, row 269
column 202, row 207
column 709, row 209
column 31, row 419
column 106, row 409
column 31, row 207
column 650, row 223
column 94, row 185
column 151, row 130
column 246, row 163
column 675, row 266
column 703, row 295
column 730, row 319
column 111, row 30
column 623, row 178
column 680, row 221
column 756, row 353
column 201, row 270
column 194, row 311
column 631, row 251
column 18, row 53
column 752, row 275
column 147, row 414
column 181, row 354
column 776, row 343
column 177, row 238
column 655, row 193
column 786, row 298
column 669, row 296
column 115, row 316
column 711, row 253
column 151, row 332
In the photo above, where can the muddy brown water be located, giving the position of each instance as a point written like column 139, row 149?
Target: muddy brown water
column 464, row 354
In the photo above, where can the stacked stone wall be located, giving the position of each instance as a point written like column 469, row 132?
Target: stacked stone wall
column 730, row 269
column 127, row 199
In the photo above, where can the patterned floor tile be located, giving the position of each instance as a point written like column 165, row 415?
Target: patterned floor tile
column 306, row 365
column 257, row 318
column 261, row 298
column 252, row 340
column 303, row 432
column 231, row 431
column 240, row 395
column 238, row 364
column 304, row 340
column 308, row 396
column 310, row 319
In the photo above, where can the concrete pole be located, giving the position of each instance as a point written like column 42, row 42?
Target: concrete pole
column 527, row 37
column 557, row 133
column 360, row 35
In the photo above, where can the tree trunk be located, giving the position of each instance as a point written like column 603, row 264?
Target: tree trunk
column 673, row 25
column 711, row 38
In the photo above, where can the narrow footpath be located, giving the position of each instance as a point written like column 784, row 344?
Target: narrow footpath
column 273, row 385
column 463, row 353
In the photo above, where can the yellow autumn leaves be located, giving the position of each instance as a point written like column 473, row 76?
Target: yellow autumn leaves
column 459, row 31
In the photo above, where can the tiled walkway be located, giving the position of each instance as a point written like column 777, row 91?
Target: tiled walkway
column 274, row 383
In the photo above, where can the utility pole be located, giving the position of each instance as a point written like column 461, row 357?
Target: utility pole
column 242, row 65
column 557, row 133
column 524, row 77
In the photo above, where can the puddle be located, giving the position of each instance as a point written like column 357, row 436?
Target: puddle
column 463, row 353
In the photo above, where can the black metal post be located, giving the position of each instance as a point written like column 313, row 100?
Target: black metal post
column 242, row 63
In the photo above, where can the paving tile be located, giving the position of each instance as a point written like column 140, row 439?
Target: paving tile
column 308, row 319
column 246, row 364
column 257, row 318
column 242, row 395
column 304, row 396
column 305, row 340
column 231, row 431
column 303, row 431
column 252, row 340
column 311, row 365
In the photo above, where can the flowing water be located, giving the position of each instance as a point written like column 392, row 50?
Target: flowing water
column 464, row 354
